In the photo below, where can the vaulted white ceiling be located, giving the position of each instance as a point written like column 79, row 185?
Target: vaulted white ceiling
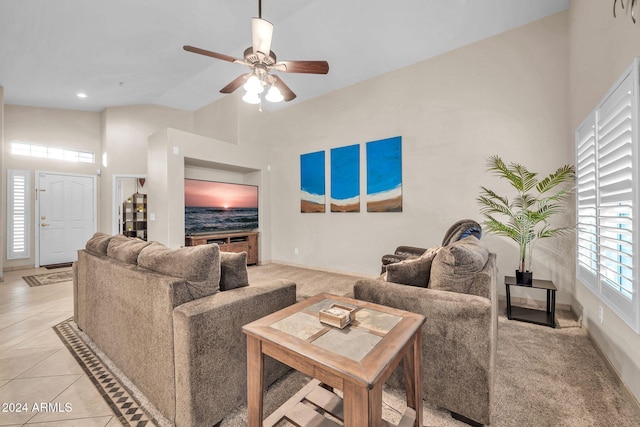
column 126, row 52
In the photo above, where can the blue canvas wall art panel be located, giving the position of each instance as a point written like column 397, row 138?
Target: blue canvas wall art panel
column 384, row 175
column 345, row 179
column 312, row 187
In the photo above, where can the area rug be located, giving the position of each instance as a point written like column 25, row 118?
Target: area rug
column 132, row 408
column 49, row 278
column 544, row 377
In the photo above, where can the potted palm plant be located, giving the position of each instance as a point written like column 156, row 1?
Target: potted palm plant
column 524, row 216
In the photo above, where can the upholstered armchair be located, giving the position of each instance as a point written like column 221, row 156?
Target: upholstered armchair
column 454, row 287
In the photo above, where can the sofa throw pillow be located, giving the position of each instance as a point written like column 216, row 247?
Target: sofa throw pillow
column 198, row 265
column 233, row 270
column 98, row 243
column 454, row 266
column 413, row 272
column 125, row 249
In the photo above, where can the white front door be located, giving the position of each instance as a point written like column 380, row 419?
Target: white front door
column 66, row 216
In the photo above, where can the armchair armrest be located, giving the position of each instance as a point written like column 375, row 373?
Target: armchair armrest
column 401, row 253
column 211, row 350
column 434, row 304
column 410, row 251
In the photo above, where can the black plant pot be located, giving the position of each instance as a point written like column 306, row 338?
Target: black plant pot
column 524, row 277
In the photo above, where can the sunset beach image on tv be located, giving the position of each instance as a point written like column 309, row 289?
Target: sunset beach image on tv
column 384, row 175
column 219, row 206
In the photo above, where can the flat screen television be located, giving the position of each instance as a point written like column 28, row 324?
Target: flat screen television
column 211, row 206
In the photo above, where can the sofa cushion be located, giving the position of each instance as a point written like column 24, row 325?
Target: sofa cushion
column 125, row 249
column 98, row 243
column 233, row 270
column 454, row 266
column 198, row 265
column 414, row 272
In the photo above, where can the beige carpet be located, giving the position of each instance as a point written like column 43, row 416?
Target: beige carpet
column 544, row 376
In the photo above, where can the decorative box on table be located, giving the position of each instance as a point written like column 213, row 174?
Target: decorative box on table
column 337, row 315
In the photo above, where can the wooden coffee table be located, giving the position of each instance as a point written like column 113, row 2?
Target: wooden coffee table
column 356, row 360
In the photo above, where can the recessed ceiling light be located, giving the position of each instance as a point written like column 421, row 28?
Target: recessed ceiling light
column 81, row 95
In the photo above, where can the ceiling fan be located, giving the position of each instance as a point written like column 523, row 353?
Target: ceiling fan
column 261, row 61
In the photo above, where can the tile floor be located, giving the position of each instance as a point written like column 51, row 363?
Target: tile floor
column 41, row 384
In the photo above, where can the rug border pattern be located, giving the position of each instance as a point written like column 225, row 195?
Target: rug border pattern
column 122, row 403
column 33, row 281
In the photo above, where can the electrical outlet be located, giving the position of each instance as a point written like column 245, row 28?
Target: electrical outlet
column 295, row 251
column 601, row 315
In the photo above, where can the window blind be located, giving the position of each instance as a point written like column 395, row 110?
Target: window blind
column 18, row 214
column 606, row 199
column 615, row 189
column 586, row 201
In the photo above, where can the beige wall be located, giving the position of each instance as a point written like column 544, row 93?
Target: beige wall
column 505, row 95
column 79, row 130
column 602, row 47
column 169, row 156
column 124, row 143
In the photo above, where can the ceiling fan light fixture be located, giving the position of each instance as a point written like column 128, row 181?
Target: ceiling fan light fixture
column 254, row 85
column 274, row 95
column 261, row 61
column 251, row 98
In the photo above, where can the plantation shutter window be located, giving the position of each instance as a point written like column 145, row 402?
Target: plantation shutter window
column 586, row 202
column 606, row 199
column 615, row 188
column 18, row 218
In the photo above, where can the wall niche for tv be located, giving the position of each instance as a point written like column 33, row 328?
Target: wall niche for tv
column 220, row 198
column 222, row 205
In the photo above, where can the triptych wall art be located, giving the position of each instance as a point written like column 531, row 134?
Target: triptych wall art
column 383, row 178
column 312, row 197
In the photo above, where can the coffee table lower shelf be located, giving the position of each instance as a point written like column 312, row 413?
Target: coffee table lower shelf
column 308, row 406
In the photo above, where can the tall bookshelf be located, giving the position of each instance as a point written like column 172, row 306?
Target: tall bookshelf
column 134, row 216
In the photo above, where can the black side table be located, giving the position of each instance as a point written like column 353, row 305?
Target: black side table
column 539, row 317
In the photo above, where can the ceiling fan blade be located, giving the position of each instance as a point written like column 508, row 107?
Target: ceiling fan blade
column 212, row 54
column 308, row 67
column 262, row 32
column 235, row 84
column 286, row 92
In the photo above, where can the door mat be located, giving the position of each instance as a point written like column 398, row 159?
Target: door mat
column 122, row 403
column 49, row 278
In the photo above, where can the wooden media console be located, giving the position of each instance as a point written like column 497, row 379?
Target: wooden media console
column 240, row 241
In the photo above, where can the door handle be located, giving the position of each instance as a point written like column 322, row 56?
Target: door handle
column 45, row 225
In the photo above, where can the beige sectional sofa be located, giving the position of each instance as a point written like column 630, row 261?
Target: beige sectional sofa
column 459, row 338
column 160, row 317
